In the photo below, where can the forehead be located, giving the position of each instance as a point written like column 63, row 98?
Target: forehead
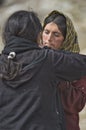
column 51, row 26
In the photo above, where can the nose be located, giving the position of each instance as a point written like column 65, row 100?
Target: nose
column 50, row 37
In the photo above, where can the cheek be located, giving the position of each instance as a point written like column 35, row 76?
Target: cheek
column 58, row 43
column 44, row 37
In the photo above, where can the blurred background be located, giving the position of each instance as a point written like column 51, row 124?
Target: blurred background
column 75, row 9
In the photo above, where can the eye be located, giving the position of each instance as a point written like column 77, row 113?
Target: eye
column 57, row 34
column 46, row 31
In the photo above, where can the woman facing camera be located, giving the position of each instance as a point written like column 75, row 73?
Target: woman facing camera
column 59, row 34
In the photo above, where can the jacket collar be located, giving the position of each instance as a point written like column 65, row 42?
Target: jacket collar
column 19, row 45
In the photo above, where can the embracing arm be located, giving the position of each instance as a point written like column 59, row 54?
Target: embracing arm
column 73, row 95
column 69, row 66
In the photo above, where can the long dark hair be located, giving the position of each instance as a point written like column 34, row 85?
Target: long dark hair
column 22, row 24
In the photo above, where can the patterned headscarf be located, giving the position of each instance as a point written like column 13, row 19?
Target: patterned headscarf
column 71, row 42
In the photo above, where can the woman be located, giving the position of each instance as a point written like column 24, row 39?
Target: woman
column 59, row 33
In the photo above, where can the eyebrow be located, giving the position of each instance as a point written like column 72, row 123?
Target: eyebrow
column 53, row 31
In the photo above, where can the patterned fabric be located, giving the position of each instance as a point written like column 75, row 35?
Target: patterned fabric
column 71, row 42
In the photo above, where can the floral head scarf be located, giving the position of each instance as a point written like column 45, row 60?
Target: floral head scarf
column 71, row 42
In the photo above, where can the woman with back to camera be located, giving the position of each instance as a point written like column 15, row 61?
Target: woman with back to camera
column 59, row 33
column 29, row 76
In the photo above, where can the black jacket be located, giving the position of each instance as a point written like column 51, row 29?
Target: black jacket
column 28, row 84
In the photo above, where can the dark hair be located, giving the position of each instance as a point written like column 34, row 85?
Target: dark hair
column 58, row 19
column 24, row 24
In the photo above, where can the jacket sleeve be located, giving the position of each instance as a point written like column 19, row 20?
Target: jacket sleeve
column 73, row 95
column 69, row 66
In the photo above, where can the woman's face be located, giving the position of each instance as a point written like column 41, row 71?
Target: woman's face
column 52, row 36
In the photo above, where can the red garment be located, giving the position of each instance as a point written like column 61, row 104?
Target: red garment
column 73, row 97
column 72, row 121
